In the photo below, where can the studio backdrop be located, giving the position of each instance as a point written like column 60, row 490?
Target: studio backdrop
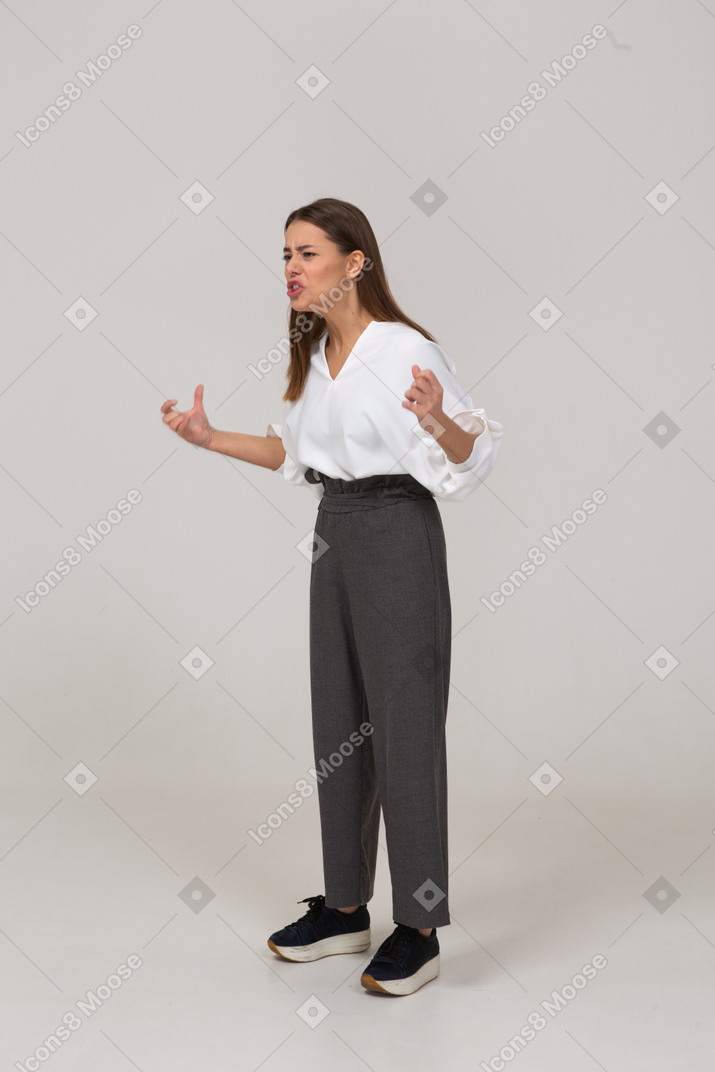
column 539, row 179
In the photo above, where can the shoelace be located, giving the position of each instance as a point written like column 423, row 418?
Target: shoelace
column 395, row 942
column 315, row 907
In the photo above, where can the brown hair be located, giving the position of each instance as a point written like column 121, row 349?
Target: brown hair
column 349, row 229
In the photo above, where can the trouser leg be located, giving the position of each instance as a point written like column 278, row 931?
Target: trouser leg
column 394, row 565
column 344, row 762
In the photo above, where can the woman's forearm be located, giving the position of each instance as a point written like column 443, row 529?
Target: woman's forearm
column 456, row 443
column 260, row 450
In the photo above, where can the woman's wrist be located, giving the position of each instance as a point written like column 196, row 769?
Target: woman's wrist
column 454, row 440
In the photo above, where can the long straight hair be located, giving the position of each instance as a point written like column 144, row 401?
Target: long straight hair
column 348, row 227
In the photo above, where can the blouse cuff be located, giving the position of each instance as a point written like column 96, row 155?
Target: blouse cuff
column 276, row 430
column 473, row 420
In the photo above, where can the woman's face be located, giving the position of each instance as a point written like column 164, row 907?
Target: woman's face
column 313, row 263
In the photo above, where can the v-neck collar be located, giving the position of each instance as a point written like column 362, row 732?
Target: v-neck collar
column 323, row 340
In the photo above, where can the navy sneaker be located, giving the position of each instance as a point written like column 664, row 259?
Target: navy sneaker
column 405, row 961
column 322, row 931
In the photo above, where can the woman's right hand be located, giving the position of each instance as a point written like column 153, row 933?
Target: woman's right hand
column 192, row 425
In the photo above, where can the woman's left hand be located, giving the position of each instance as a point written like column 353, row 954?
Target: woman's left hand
column 425, row 397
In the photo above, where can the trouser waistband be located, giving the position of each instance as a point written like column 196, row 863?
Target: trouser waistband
column 381, row 486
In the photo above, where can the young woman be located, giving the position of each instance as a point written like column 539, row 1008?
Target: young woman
column 376, row 422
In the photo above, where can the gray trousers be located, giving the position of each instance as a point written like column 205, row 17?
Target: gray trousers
column 380, row 649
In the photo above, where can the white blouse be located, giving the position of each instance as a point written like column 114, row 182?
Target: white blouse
column 355, row 426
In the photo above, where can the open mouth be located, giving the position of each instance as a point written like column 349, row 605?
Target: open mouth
column 294, row 288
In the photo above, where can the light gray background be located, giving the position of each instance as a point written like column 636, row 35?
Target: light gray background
column 616, row 858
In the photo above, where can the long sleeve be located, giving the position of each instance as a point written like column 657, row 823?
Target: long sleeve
column 416, row 449
column 293, row 473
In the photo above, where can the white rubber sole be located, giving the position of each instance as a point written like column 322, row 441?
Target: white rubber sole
column 428, row 971
column 357, row 942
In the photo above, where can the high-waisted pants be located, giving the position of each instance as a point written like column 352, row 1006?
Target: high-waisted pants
column 380, row 648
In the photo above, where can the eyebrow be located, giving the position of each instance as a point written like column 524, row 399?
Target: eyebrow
column 308, row 245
